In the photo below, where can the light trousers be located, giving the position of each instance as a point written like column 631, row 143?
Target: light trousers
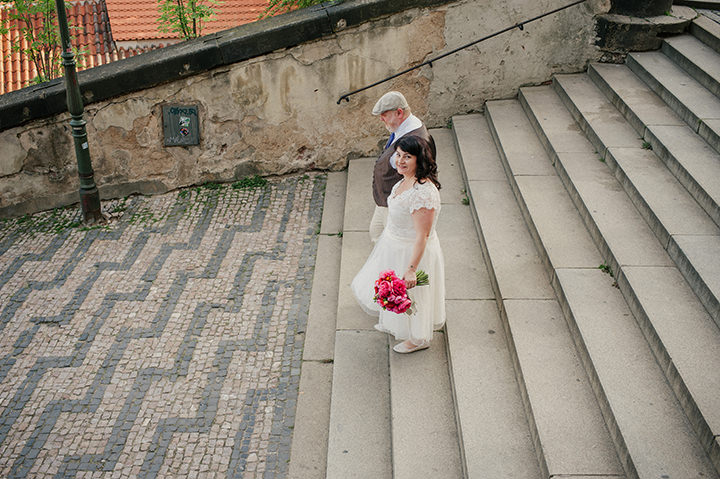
column 377, row 223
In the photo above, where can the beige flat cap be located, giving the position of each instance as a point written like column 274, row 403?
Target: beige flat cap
column 391, row 100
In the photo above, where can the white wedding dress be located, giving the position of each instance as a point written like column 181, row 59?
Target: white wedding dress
column 393, row 251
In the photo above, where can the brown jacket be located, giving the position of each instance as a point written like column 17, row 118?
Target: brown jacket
column 385, row 176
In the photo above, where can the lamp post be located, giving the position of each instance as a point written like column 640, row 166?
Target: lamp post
column 89, row 196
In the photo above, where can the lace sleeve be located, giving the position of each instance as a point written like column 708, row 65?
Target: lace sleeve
column 425, row 195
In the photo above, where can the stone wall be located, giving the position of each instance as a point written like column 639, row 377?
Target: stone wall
column 277, row 113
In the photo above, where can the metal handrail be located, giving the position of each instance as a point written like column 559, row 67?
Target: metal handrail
column 520, row 26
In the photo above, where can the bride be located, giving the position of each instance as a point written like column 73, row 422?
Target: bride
column 408, row 244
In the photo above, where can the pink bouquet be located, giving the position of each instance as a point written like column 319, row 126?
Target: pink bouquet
column 391, row 293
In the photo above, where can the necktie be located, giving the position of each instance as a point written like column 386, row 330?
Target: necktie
column 392, row 137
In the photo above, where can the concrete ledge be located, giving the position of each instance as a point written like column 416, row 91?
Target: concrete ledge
column 198, row 55
column 622, row 33
column 58, row 200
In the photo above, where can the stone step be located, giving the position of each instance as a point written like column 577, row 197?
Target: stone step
column 685, row 341
column 617, row 228
column 707, row 31
column 545, row 359
column 412, row 421
column 696, row 58
column 627, row 244
column 516, row 269
column 494, row 435
column 682, row 227
column 308, row 454
column 711, row 13
column 690, row 159
column 697, row 106
column 356, row 245
column 370, row 433
column 639, row 407
column 359, row 443
column 424, row 432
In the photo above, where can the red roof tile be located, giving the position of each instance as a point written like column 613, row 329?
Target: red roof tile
column 102, row 22
column 92, row 36
column 137, row 19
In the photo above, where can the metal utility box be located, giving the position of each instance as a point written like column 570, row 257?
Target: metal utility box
column 181, row 125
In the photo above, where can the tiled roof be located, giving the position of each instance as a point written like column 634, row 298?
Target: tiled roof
column 92, row 36
column 131, row 20
column 137, row 19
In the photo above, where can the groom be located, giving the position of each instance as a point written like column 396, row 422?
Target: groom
column 394, row 112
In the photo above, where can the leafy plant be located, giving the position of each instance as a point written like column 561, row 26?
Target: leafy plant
column 607, row 269
column 38, row 39
column 185, row 17
column 276, row 7
column 256, row 181
column 212, row 186
column 646, row 145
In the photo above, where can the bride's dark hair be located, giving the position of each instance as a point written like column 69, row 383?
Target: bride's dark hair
column 426, row 167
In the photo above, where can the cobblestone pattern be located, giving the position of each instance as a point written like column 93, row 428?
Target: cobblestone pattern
column 165, row 345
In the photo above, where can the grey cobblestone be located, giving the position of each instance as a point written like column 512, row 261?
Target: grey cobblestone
column 166, row 344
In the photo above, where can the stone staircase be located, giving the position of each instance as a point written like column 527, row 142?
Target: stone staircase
column 396, row 416
column 583, row 278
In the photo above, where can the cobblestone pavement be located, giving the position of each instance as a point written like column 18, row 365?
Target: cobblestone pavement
column 166, row 344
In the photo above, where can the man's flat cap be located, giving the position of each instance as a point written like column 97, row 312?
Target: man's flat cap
column 391, row 100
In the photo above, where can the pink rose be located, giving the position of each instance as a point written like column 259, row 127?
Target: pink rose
column 387, row 274
column 404, row 306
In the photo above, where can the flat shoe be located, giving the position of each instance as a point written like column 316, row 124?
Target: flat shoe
column 402, row 349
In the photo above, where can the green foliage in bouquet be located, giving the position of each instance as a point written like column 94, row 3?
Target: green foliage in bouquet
column 422, row 278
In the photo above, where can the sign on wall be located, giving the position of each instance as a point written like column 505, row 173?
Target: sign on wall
column 181, row 125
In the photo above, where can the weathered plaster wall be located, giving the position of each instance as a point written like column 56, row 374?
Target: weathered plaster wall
column 277, row 113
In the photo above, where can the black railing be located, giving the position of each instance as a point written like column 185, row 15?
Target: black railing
column 520, row 26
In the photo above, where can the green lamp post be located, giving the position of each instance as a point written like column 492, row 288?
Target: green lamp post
column 89, row 195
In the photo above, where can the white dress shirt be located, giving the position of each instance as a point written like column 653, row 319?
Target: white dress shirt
column 411, row 123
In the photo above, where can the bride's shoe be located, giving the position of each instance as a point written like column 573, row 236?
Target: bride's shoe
column 403, row 348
